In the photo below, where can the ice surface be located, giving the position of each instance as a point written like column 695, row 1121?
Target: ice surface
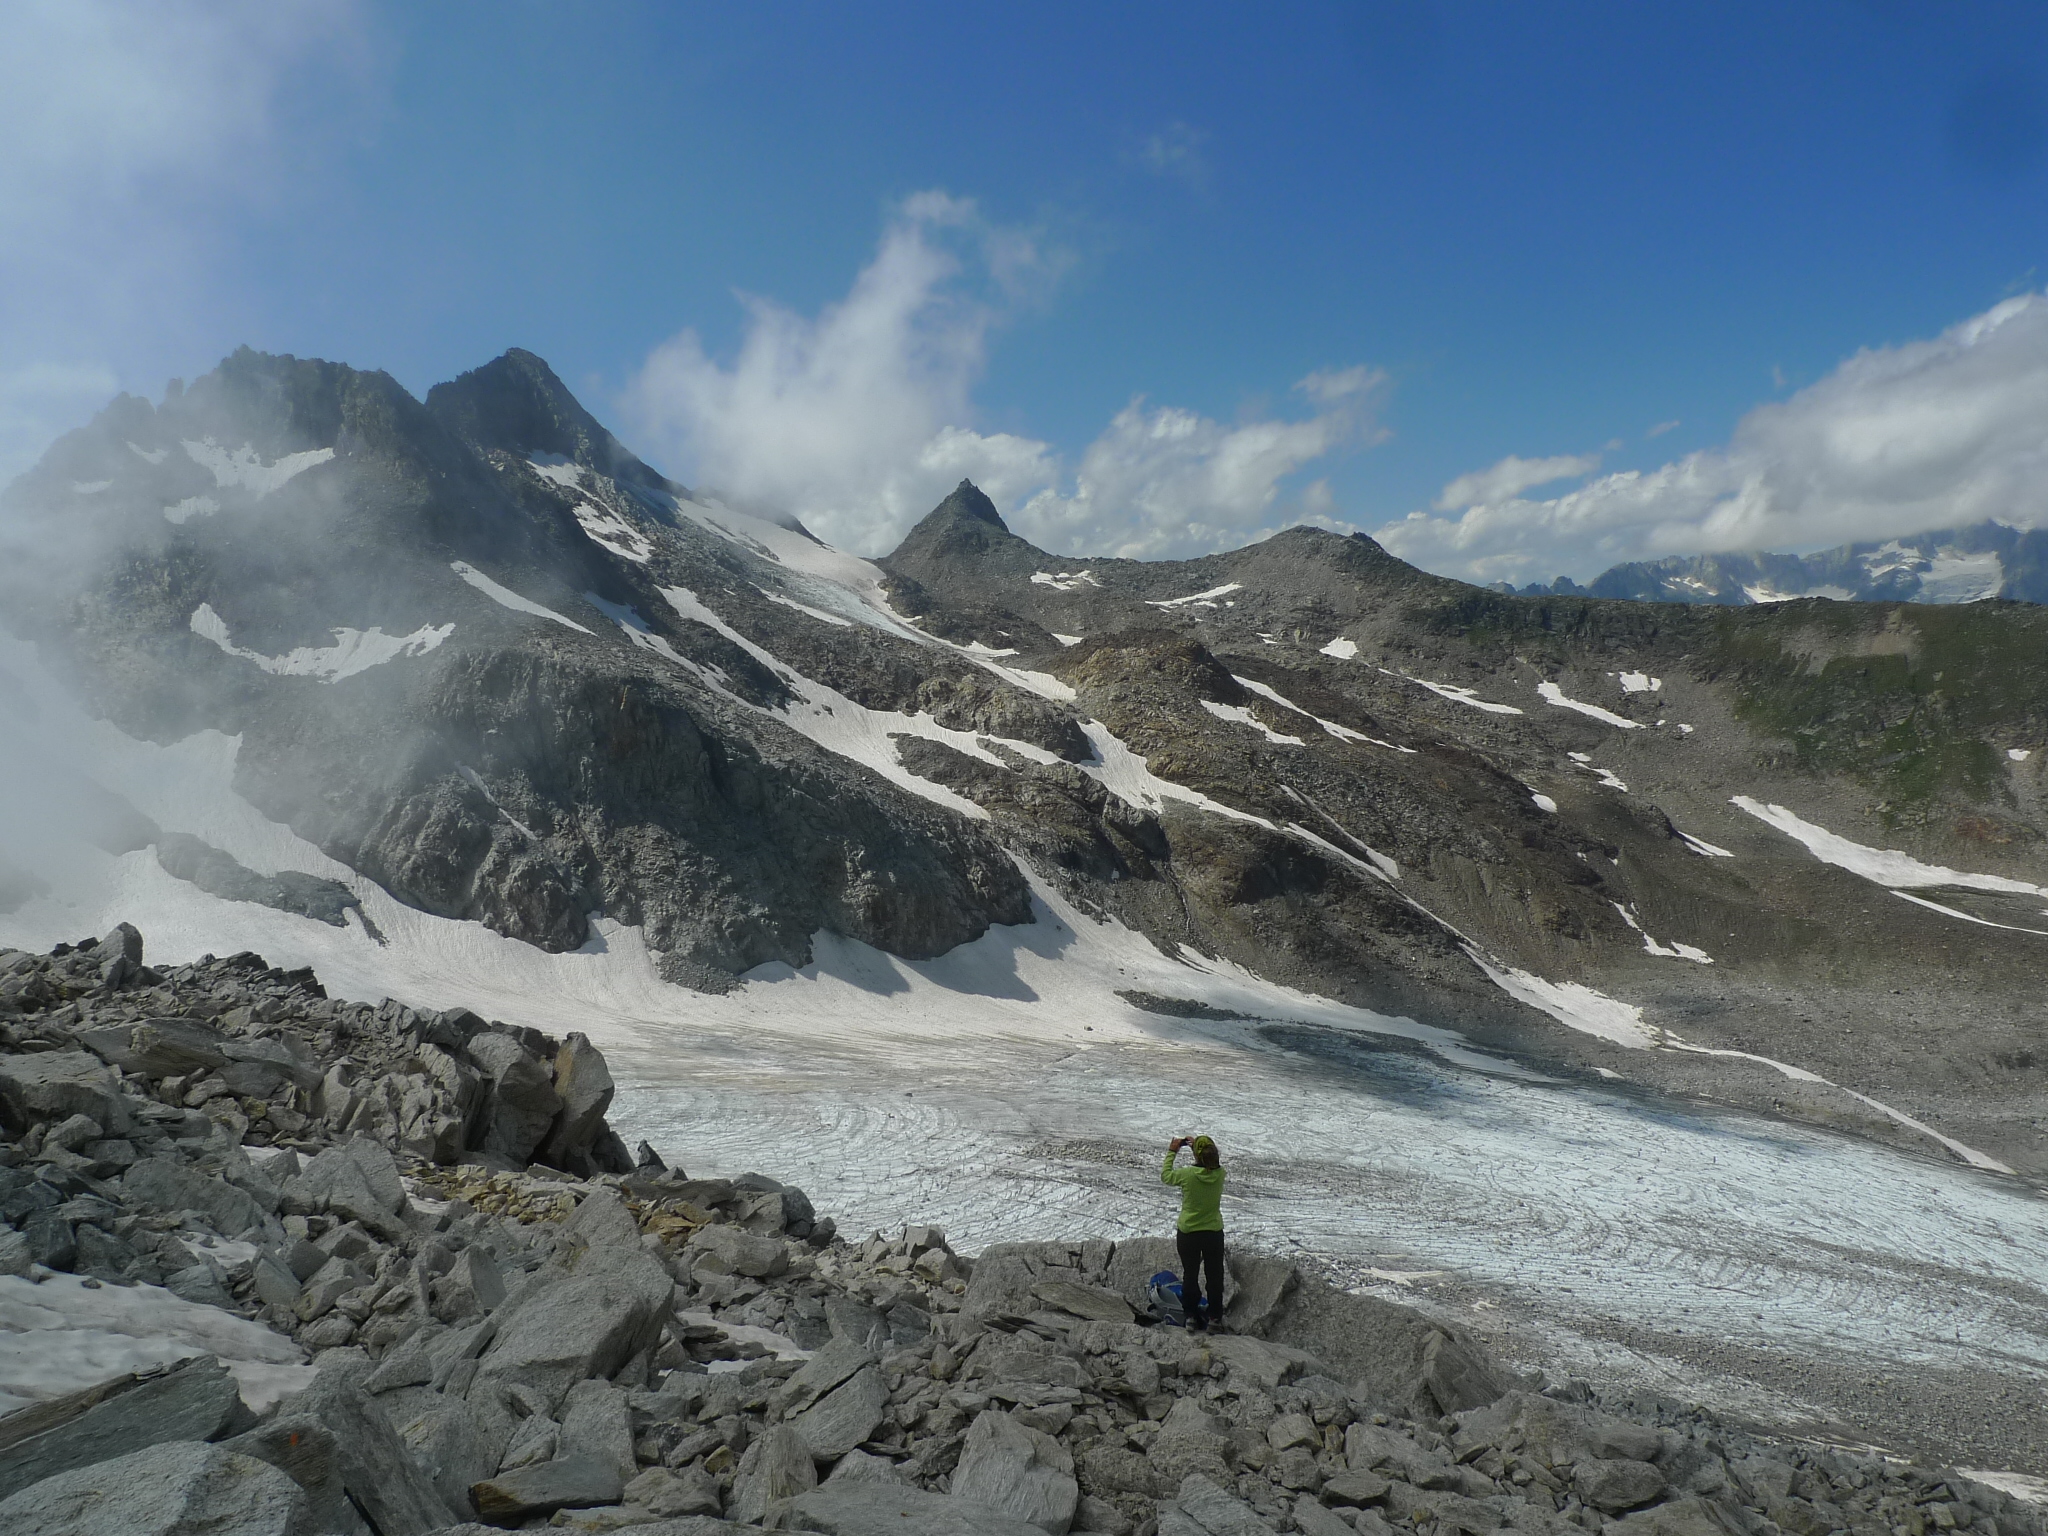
column 1238, row 714
column 1341, row 732
column 353, row 651
column 504, row 597
column 1957, row 578
column 1556, row 695
column 1206, row 599
column 1764, row 592
column 68, row 1333
column 1883, row 866
column 1341, row 648
column 1640, row 682
column 244, row 467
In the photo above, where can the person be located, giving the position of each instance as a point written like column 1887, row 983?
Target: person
column 1199, row 1234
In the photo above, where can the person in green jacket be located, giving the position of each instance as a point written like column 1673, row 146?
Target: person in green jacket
column 1200, row 1230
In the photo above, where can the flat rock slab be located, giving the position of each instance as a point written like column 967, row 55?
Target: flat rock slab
column 1020, row 1471
column 175, row 1489
column 872, row 1509
column 197, row 1400
column 568, row 1482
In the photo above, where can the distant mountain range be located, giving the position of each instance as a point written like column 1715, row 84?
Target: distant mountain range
column 1958, row 565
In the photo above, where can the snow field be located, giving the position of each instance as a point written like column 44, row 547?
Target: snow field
column 505, row 597
column 1556, row 695
column 353, row 651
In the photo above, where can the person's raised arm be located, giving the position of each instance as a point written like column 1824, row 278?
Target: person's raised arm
column 1166, row 1169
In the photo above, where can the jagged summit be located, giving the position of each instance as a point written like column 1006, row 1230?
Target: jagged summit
column 516, row 403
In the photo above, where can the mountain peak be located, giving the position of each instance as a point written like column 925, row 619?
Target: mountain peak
column 969, row 500
column 517, row 403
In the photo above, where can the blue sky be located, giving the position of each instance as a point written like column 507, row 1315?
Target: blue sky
column 1089, row 255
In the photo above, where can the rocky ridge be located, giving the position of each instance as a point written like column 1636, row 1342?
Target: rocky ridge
column 511, row 1321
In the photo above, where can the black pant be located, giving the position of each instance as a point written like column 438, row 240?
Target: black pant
column 1197, row 1251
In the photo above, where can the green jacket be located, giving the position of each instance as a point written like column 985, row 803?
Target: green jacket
column 1201, row 1195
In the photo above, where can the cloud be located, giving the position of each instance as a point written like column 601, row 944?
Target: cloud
column 133, row 132
column 1512, row 476
column 1896, row 440
column 860, row 420
column 1176, row 151
column 1661, row 428
column 1168, row 482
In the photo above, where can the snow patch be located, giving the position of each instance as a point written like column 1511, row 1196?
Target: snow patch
column 1968, row 917
column 191, row 507
column 504, row 597
column 2019, row 754
column 66, row 1334
column 1957, row 578
column 1641, row 682
column 1341, row 732
column 610, row 531
column 1882, row 866
column 244, row 467
column 1704, row 848
column 1064, row 581
column 1066, row 639
column 562, row 471
column 1342, row 649
column 817, row 613
column 1672, row 951
column 1571, row 1004
column 1206, row 599
column 1556, row 695
column 1456, row 694
column 353, row 651
column 1543, row 802
column 1238, row 714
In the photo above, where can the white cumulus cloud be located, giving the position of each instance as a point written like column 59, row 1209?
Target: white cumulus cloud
column 1897, row 440
column 860, row 419
column 1512, row 476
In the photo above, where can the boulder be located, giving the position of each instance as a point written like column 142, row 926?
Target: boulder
column 573, row 1321
column 1019, row 1471
column 876, row 1509
column 603, row 1218
column 845, row 1416
column 569, row 1482
column 1311, row 1519
column 1355, row 1488
column 1555, row 1433
column 1093, row 1302
column 376, row 1468
column 1202, row 1508
column 1190, row 1442
column 173, row 1489
column 357, row 1181
column 674, row 1495
column 55, row 1085
column 826, row 1369
column 584, row 1085
column 777, row 1466
column 519, row 1102
column 1682, row 1517
column 306, row 1451
column 721, row 1249
column 1614, row 1486
column 596, row 1423
column 195, row 1400
column 860, row 1467
column 158, row 1048
column 457, row 1443
column 472, row 1285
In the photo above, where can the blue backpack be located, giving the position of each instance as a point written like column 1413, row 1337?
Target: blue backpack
column 1167, row 1303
